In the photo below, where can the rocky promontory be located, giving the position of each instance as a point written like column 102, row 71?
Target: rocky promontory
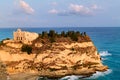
column 52, row 55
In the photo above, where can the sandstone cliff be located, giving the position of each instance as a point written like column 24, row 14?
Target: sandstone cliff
column 63, row 58
column 51, row 55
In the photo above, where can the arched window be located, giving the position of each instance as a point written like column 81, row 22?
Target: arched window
column 17, row 38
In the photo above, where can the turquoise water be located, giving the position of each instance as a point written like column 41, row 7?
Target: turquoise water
column 106, row 39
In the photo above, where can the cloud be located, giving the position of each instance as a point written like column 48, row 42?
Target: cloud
column 54, row 3
column 94, row 6
column 76, row 9
column 53, row 11
column 79, row 9
column 26, row 7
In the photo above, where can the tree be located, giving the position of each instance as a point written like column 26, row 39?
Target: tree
column 74, row 36
column 1, row 42
column 26, row 48
column 84, row 33
column 52, row 33
column 52, row 36
column 44, row 34
column 63, row 33
column 7, row 39
column 52, row 39
column 78, row 33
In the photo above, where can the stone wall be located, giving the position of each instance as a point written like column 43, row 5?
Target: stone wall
column 24, row 36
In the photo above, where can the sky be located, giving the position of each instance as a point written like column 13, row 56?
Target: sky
column 59, row 13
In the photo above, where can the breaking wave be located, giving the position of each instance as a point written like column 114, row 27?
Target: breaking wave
column 104, row 59
column 99, row 74
column 94, row 76
column 72, row 77
column 104, row 53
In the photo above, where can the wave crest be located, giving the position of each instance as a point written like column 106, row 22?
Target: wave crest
column 72, row 77
column 99, row 74
column 104, row 53
column 94, row 76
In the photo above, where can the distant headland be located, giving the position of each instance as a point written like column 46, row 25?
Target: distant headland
column 49, row 54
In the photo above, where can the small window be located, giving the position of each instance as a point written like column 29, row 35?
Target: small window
column 17, row 38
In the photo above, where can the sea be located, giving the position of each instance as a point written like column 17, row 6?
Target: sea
column 106, row 39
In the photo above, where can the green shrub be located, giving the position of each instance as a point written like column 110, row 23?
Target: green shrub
column 44, row 34
column 7, row 39
column 1, row 42
column 26, row 48
column 72, row 49
column 52, row 39
column 74, row 37
column 63, row 34
column 52, row 33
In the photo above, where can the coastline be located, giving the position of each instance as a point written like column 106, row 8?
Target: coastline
column 23, row 76
column 34, row 76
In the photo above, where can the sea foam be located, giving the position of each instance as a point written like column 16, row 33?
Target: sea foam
column 72, row 77
column 99, row 74
column 94, row 76
column 104, row 53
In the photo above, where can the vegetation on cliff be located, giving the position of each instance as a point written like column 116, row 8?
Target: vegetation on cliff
column 69, row 36
column 1, row 42
column 53, row 36
column 26, row 48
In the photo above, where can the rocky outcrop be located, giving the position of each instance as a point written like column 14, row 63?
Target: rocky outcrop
column 59, row 60
column 3, row 72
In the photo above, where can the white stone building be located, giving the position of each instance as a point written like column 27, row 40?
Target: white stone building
column 24, row 36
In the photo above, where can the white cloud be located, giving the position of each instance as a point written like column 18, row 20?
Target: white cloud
column 94, row 6
column 53, row 11
column 54, row 3
column 26, row 7
column 76, row 9
column 79, row 9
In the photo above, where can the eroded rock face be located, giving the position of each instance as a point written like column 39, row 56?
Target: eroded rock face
column 77, row 58
column 3, row 72
column 60, row 60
